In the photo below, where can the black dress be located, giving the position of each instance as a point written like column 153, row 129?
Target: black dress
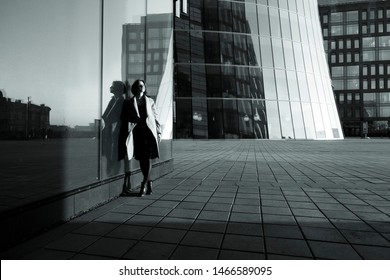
column 144, row 142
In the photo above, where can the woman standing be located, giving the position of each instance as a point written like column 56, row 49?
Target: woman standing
column 140, row 124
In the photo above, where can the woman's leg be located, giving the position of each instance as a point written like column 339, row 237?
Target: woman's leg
column 146, row 168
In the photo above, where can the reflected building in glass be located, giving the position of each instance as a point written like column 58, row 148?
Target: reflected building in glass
column 357, row 41
column 252, row 69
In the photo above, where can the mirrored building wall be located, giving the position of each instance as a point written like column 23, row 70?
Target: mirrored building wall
column 251, row 69
column 55, row 75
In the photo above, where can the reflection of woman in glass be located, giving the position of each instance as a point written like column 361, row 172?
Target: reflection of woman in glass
column 139, row 119
column 111, row 127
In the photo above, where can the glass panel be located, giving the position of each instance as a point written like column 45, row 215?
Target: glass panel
column 286, row 120
column 263, row 18
column 243, row 83
column 320, row 130
column 384, row 54
column 230, row 119
column 183, row 119
column 213, row 76
column 337, row 71
column 337, row 17
column 281, row 84
column 225, row 16
column 226, row 43
column 277, row 50
column 275, row 22
column 251, row 17
column 198, row 78
column 260, row 119
column 256, row 83
column 228, row 78
column 352, row 15
column 266, row 52
column 303, row 89
column 183, row 81
column 273, row 120
column 293, row 85
column 240, row 50
column 285, row 24
column 199, row 118
column 183, row 49
column 309, row 122
column 212, row 41
column 299, row 127
column 245, row 119
column 269, row 83
column 215, row 119
column 295, row 27
column 289, row 54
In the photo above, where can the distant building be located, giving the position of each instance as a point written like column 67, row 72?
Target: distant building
column 23, row 120
column 357, row 41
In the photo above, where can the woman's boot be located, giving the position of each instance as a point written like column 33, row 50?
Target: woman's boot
column 126, row 189
column 149, row 187
column 142, row 190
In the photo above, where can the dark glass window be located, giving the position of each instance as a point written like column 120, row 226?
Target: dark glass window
column 183, row 118
column 215, row 119
column 183, row 81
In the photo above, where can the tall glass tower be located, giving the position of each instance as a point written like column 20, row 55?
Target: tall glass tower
column 253, row 69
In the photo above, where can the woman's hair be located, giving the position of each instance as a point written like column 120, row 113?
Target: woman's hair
column 135, row 85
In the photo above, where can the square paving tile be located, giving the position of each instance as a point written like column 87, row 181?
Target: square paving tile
column 184, row 213
column 240, row 255
column 334, row 251
column 96, row 228
column 283, row 231
column 373, row 252
column 243, row 243
column 218, row 206
column 276, row 210
column 111, row 247
column 145, row 250
column 214, row 215
column 245, row 228
column 144, row 220
column 155, row 211
column 245, row 217
column 365, row 238
column 284, row 246
column 129, row 232
column 246, row 208
column 72, row 242
column 165, row 235
column 279, row 219
column 176, row 223
column 209, row 226
column 112, row 217
column 194, row 253
column 202, row 239
column 323, row 234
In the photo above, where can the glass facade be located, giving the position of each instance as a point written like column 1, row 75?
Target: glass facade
column 357, row 42
column 56, row 73
column 251, row 69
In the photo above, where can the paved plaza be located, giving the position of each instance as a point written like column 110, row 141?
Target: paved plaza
column 265, row 199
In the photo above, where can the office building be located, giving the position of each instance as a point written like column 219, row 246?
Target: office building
column 357, row 42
